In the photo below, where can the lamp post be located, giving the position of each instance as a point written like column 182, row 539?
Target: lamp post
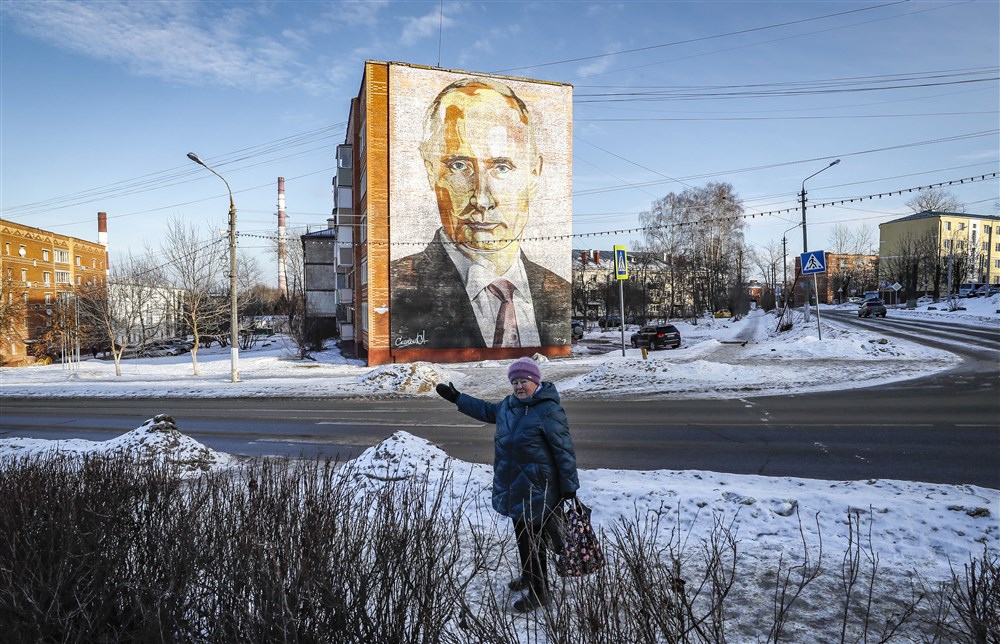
column 234, row 339
column 805, row 243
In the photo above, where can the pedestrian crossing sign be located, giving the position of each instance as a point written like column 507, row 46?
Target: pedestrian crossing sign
column 813, row 262
column 621, row 262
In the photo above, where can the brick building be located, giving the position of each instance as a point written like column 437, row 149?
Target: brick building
column 43, row 269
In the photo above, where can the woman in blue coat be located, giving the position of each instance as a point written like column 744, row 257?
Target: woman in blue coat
column 534, row 467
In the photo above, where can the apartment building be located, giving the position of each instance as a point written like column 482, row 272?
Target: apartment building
column 967, row 244
column 42, row 268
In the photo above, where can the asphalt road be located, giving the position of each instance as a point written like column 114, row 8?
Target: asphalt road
column 940, row 429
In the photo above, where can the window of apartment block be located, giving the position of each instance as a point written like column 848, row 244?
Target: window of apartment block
column 364, row 316
column 961, row 225
column 987, row 230
column 364, row 271
column 45, row 254
column 996, row 263
column 62, row 256
column 93, row 262
column 62, row 277
column 363, row 227
column 48, row 298
column 24, row 275
column 79, row 280
column 961, row 245
column 6, row 248
column 947, row 225
column 78, row 260
column 947, row 244
column 997, row 247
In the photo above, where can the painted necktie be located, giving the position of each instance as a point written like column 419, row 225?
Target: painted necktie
column 506, row 334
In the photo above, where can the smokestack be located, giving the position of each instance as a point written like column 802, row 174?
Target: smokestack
column 102, row 239
column 282, row 281
column 597, row 257
column 584, row 256
column 102, row 228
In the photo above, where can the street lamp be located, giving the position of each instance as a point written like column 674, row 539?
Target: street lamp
column 234, row 350
column 805, row 244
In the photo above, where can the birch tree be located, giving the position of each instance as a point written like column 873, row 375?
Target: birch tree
column 197, row 265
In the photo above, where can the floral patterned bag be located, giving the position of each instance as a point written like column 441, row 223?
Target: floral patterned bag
column 581, row 552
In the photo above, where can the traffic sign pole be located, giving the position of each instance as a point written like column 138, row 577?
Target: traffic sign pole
column 819, row 329
column 621, row 274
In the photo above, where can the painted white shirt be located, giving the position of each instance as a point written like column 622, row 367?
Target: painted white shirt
column 477, row 274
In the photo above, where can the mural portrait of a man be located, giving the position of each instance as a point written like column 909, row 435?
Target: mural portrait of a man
column 472, row 284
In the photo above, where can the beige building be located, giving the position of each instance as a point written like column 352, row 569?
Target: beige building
column 934, row 241
column 42, row 269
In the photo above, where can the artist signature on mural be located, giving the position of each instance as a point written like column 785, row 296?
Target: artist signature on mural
column 421, row 338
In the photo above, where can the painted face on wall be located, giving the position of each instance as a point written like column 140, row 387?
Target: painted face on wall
column 482, row 163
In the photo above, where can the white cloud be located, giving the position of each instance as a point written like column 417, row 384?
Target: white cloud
column 598, row 65
column 418, row 28
column 174, row 41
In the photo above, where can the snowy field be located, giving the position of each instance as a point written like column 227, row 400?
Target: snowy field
column 931, row 529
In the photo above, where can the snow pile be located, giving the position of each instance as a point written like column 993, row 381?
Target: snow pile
column 412, row 378
column 155, row 441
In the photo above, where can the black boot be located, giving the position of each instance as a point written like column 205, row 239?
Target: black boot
column 518, row 583
column 531, row 601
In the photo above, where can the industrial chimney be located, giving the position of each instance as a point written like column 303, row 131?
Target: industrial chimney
column 102, row 239
column 282, row 281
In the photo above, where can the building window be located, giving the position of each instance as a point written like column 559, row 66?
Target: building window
column 947, row 244
column 78, row 260
column 46, row 278
column 961, row 225
column 364, row 316
column 79, row 280
column 6, row 248
column 996, row 263
column 961, row 245
column 364, row 271
column 363, row 228
column 62, row 256
column 997, row 247
column 24, row 275
column 62, row 277
column 45, row 254
column 93, row 262
column 947, row 225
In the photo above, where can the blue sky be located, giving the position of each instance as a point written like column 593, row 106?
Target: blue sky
column 101, row 101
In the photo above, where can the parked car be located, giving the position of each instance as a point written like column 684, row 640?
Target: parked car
column 157, row 349
column 657, row 337
column 872, row 308
column 856, row 300
column 987, row 290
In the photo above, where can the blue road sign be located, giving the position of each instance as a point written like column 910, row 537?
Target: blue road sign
column 621, row 263
column 813, row 262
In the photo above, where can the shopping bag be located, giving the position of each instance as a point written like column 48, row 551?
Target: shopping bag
column 580, row 553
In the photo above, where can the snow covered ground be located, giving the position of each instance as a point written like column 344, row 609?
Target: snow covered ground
column 914, row 526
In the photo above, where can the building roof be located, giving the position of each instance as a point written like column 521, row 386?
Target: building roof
column 926, row 214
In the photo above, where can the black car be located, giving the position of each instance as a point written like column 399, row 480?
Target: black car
column 872, row 308
column 657, row 337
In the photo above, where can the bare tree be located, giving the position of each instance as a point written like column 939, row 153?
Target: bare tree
column 13, row 309
column 768, row 259
column 196, row 266
column 701, row 233
column 114, row 310
column 852, row 241
column 935, row 199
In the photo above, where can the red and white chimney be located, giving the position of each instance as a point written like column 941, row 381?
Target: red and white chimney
column 282, row 280
column 102, row 229
column 102, row 239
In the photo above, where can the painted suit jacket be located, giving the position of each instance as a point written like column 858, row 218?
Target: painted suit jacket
column 429, row 301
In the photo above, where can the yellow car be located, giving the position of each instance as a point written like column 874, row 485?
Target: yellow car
column 723, row 314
